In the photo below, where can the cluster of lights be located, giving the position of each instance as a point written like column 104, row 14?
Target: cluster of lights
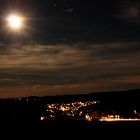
column 70, row 109
column 110, row 117
column 71, row 106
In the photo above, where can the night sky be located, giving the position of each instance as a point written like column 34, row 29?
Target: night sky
column 70, row 47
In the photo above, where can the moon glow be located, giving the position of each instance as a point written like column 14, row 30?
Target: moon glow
column 15, row 22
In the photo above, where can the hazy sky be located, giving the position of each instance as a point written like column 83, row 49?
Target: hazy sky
column 70, row 47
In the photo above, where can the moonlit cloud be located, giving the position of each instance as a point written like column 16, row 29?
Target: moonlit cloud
column 39, row 69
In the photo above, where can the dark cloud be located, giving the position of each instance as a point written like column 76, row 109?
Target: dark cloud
column 130, row 11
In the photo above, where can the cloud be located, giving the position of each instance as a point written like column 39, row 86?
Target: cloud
column 57, row 69
column 130, row 11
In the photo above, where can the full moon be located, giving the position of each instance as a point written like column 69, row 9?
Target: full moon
column 15, row 22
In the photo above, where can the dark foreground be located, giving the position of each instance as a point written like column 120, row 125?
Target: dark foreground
column 91, row 125
column 47, row 125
